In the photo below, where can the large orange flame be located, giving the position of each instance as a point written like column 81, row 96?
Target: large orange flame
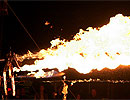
column 93, row 48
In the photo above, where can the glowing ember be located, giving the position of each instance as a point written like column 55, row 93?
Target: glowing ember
column 47, row 23
column 95, row 48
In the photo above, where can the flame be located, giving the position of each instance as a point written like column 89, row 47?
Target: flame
column 93, row 48
column 47, row 23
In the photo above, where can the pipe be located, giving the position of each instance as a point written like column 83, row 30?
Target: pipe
column 5, row 82
column 13, row 85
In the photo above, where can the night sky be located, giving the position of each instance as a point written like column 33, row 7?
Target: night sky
column 65, row 17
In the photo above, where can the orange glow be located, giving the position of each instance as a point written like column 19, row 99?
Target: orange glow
column 47, row 23
column 5, row 83
column 93, row 48
column 13, row 85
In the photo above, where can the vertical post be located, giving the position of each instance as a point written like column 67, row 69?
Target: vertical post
column 89, row 92
column 11, row 74
column 10, row 71
column 108, row 90
column 0, row 80
column 13, row 85
column 42, row 92
column 9, row 66
column 5, row 83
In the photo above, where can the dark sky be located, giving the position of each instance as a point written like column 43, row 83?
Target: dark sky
column 69, row 16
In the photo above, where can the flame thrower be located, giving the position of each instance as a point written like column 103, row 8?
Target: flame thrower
column 8, row 75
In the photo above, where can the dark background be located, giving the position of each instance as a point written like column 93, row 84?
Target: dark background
column 66, row 17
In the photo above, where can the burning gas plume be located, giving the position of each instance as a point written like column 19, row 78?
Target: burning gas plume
column 93, row 48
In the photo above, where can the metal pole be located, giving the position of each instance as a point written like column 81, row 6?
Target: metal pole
column 13, row 85
column 89, row 89
column 5, row 83
column 42, row 92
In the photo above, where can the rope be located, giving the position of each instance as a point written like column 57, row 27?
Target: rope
column 27, row 33
column 23, row 26
column 31, row 38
